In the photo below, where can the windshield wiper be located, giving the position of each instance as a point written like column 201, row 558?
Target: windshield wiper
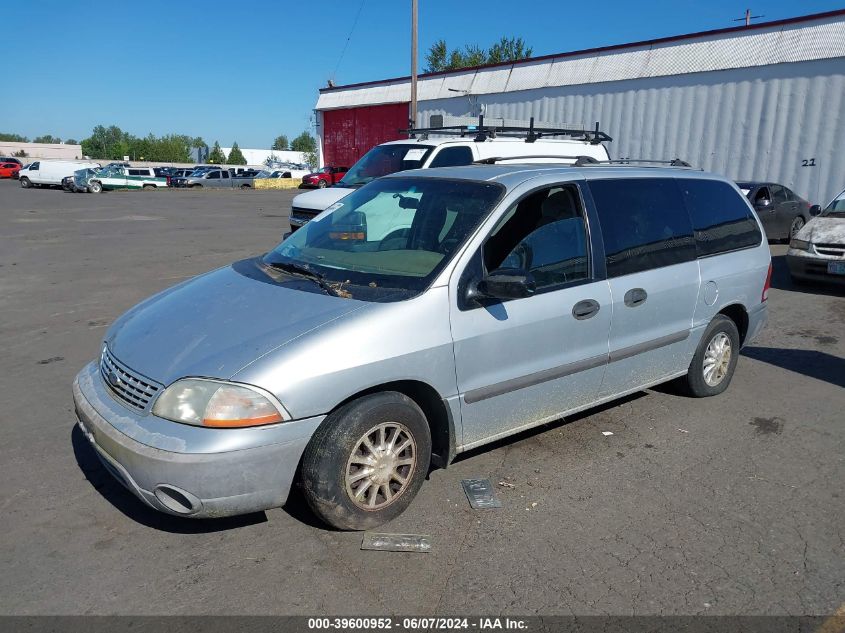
column 300, row 270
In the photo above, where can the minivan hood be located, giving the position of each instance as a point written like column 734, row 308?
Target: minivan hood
column 823, row 230
column 320, row 199
column 216, row 324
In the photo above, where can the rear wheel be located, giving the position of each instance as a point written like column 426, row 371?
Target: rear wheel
column 245, row 186
column 25, row 183
column 148, row 187
column 713, row 365
column 367, row 461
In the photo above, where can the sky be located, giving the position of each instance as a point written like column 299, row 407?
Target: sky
column 249, row 71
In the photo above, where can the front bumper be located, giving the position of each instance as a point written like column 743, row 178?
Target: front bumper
column 810, row 267
column 194, row 475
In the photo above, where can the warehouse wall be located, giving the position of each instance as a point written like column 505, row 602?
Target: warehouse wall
column 783, row 122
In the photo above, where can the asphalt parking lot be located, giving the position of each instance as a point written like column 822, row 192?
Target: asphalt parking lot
column 728, row 505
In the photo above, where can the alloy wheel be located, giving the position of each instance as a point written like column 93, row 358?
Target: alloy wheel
column 381, row 466
column 717, row 359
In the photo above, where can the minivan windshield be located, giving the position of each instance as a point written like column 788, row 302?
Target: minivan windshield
column 383, row 160
column 388, row 240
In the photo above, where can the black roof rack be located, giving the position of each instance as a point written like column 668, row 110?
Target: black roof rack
column 584, row 161
column 589, row 160
column 482, row 132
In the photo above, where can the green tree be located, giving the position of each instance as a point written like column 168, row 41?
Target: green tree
column 216, row 157
column 281, row 143
column 304, row 143
column 20, row 153
column 71, row 141
column 507, row 49
column 13, row 138
column 311, row 160
column 236, row 157
column 47, row 138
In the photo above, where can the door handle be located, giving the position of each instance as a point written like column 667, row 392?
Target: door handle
column 585, row 309
column 635, row 297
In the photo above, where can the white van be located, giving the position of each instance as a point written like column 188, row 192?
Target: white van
column 457, row 145
column 51, row 172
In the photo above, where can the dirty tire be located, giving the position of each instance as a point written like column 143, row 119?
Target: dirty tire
column 326, row 459
column 245, row 186
column 694, row 382
column 95, row 187
column 148, row 187
column 25, row 182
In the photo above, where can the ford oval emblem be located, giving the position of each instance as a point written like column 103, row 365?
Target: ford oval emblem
column 114, row 381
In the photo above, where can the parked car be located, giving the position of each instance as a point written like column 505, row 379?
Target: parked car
column 51, row 172
column 115, row 177
column 9, row 170
column 78, row 183
column 432, row 151
column 324, row 177
column 217, row 178
column 782, row 211
column 207, row 397
column 817, row 251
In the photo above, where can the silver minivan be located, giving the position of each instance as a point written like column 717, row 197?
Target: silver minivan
column 425, row 314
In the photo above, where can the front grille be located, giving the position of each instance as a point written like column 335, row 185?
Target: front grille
column 831, row 250
column 128, row 386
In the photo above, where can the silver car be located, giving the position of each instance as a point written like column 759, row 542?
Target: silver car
column 425, row 314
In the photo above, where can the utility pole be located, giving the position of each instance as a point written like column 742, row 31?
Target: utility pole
column 748, row 17
column 413, row 114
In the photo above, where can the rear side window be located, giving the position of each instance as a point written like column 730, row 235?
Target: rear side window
column 139, row 172
column 644, row 224
column 720, row 217
column 452, row 157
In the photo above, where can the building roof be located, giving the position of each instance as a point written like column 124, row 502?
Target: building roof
column 805, row 38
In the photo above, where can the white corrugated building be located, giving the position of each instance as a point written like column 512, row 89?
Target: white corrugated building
column 758, row 102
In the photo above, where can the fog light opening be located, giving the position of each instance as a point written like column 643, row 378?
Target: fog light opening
column 177, row 500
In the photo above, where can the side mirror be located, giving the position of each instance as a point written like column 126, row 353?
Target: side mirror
column 815, row 210
column 287, row 235
column 505, row 283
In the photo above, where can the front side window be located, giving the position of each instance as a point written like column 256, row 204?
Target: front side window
column 388, row 240
column 544, row 234
column 644, row 224
column 720, row 217
column 34, row 166
column 214, row 175
column 452, row 157
column 383, row 160
column 762, row 197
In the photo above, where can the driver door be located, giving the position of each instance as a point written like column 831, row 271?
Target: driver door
column 522, row 362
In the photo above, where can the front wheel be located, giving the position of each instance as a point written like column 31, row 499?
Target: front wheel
column 25, row 183
column 367, row 461
column 713, row 365
column 95, row 187
column 322, row 184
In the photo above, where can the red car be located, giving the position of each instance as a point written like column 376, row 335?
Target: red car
column 9, row 170
column 324, row 177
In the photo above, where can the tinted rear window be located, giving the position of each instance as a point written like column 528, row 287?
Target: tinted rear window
column 720, row 217
column 644, row 224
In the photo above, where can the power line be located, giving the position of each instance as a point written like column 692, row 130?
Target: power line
column 348, row 37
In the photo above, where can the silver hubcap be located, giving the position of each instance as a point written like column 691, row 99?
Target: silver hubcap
column 381, row 466
column 717, row 359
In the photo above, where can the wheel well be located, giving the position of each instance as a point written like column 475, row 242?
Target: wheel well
column 737, row 313
column 436, row 412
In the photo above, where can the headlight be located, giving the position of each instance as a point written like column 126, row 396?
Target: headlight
column 214, row 403
column 799, row 245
